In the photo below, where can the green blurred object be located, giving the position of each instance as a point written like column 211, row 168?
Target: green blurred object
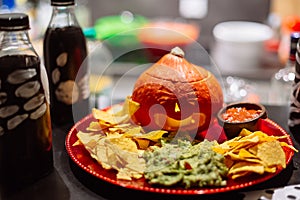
column 119, row 30
column 119, row 33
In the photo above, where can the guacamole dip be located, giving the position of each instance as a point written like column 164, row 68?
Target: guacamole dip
column 184, row 164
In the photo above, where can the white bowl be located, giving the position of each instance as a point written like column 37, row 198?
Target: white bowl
column 239, row 46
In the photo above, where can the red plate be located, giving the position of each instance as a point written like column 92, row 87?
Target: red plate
column 83, row 159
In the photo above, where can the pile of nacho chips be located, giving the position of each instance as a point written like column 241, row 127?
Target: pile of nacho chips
column 116, row 143
column 115, row 152
column 253, row 152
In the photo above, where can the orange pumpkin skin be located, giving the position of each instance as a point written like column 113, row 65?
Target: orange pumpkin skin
column 173, row 89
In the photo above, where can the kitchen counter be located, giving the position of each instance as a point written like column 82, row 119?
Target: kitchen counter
column 68, row 181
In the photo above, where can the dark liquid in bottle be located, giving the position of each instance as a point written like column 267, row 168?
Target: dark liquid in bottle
column 64, row 53
column 25, row 124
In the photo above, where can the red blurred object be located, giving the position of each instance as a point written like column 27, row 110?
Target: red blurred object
column 161, row 36
column 289, row 25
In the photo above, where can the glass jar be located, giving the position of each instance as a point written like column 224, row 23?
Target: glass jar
column 294, row 108
column 25, row 124
column 282, row 80
column 65, row 52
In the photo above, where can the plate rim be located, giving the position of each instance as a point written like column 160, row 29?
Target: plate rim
column 177, row 191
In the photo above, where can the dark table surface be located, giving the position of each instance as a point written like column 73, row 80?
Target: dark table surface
column 68, row 181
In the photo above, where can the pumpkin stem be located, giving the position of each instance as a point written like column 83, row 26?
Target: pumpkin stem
column 176, row 51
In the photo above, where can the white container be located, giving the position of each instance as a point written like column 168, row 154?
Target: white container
column 239, row 46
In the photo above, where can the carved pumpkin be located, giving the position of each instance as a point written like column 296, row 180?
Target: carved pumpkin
column 175, row 94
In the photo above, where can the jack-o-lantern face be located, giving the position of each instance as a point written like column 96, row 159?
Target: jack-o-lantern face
column 176, row 95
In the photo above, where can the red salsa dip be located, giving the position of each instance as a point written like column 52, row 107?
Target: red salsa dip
column 240, row 114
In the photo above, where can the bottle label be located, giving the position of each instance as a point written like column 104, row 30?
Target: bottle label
column 65, row 55
column 21, row 93
column 69, row 91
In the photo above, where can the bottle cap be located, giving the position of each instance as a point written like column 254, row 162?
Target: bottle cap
column 62, row 2
column 14, row 22
column 294, row 40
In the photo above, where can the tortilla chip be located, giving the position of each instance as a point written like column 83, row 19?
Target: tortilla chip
column 271, row 153
column 246, row 167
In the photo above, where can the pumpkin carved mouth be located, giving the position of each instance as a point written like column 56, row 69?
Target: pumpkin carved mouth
column 193, row 121
column 175, row 94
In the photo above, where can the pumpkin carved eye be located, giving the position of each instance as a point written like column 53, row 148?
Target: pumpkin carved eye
column 176, row 109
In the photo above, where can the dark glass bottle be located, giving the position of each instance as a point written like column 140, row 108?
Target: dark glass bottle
column 65, row 53
column 25, row 124
column 294, row 110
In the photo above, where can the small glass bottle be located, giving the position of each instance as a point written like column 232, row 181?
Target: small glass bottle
column 25, row 123
column 65, row 52
column 282, row 80
column 294, row 109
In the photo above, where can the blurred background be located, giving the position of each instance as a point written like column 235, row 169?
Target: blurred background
column 245, row 59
